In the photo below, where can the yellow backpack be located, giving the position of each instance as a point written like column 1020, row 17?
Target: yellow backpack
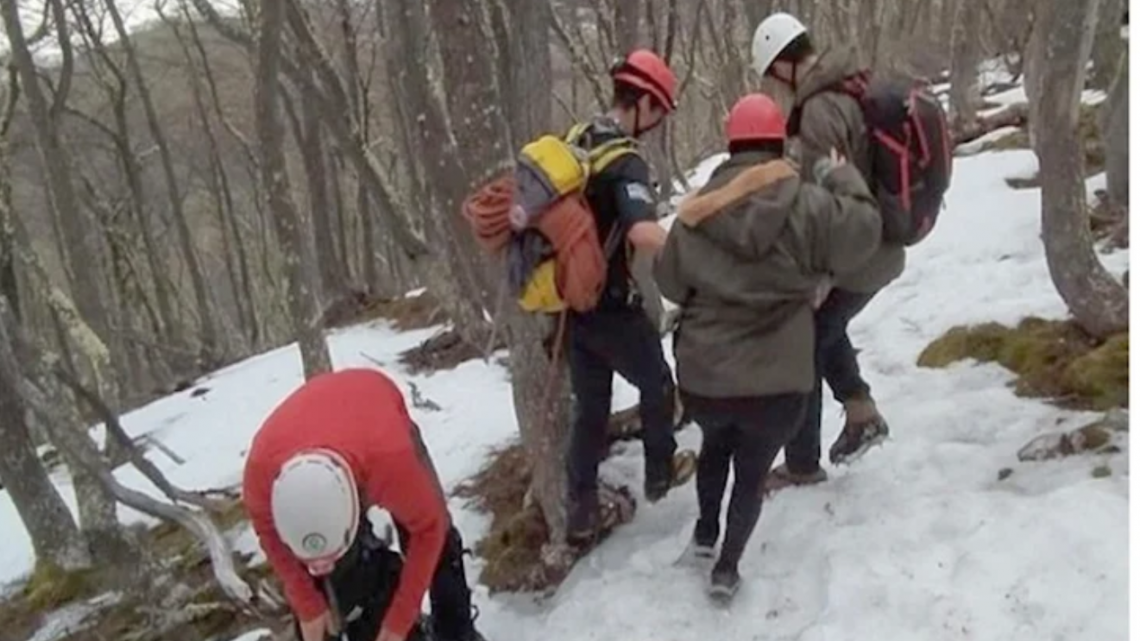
column 555, row 259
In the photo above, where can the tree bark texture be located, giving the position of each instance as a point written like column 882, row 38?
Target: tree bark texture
column 1061, row 45
column 304, row 299
column 55, row 536
column 1115, row 128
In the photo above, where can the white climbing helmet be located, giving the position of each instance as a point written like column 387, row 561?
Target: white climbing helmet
column 776, row 32
column 316, row 508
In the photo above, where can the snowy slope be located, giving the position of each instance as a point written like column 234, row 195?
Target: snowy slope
column 917, row 540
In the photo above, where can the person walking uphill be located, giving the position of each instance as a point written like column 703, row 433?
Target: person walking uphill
column 336, row 446
column 617, row 335
column 825, row 118
column 743, row 262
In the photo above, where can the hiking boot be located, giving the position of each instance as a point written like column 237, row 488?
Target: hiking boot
column 781, row 477
column 865, row 429
column 582, row 520
column 723, row 583
column 657, row 486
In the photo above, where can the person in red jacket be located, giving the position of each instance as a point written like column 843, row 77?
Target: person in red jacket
column 339, row 444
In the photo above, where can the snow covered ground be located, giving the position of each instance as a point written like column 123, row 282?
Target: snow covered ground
column 917, row 540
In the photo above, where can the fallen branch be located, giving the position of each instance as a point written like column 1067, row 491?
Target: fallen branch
column 80, row 447
column 1015, row 115
column 142, row 464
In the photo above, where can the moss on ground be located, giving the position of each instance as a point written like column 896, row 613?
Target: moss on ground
column 513, row 545
column 1052, row 359
column 135, row 616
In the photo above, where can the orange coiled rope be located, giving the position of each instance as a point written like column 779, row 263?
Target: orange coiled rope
column 568, row 225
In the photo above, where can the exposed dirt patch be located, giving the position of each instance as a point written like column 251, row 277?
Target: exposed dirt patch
column 518, row 557
column 1056, row 360
column 444, row 351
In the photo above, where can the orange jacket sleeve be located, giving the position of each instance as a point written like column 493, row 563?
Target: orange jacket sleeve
column 407, row 488
column 307, row 602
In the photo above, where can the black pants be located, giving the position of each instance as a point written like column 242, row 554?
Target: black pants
column 836, row 363
column 600, row 344
column 449, row 593
column 745, row 433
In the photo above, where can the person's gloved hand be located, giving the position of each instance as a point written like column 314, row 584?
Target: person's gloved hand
column 827, row 164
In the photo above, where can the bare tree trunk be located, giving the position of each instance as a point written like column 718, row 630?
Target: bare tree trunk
column 55, row 537
column 254, row 326
column 82, row 256
column 212, row 349
column 303, row 297
column 1115, row 128
column 964, row 91
column 333, row 279
column 1108, row 46
column 46, row 401
column 627, row 25
column 233, row 246
column 539, row 386
column 1061, row 44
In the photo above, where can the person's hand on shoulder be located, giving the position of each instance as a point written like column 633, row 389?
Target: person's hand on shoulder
column 824, row 166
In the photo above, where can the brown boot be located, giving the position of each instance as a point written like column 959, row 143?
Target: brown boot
column 781, row 477
column 864, row 429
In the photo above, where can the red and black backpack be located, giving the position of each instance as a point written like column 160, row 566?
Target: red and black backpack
column 910, row 149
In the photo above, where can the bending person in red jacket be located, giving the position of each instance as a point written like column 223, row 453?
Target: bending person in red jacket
column 339, row 444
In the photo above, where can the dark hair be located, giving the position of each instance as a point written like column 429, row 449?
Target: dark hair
column 626, row 96
column 765, row 146
column 797, row 50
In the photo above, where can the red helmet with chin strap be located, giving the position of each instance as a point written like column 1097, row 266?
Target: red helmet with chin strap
column 754, row 118
column 647, row 71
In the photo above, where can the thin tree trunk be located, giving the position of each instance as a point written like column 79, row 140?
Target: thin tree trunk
column 539, row 386
column 1061, row 45
column 1108, row 46
column 1115, row 128
column 965, row 56
column 82, row 256
column 303, row 297
column 312, row 147
column 212, row 349
column 55, row 536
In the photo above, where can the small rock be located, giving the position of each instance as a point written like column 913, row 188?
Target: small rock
column 1101, row 471
column 1090, row 438
column 1005, row 473
column 1045, row 447
column 1115, row 420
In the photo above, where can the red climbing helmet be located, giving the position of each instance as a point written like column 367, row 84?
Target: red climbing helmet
column 647, row 71
column 753, row 118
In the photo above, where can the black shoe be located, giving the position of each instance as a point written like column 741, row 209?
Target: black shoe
column 723, row 583
column 660, row 479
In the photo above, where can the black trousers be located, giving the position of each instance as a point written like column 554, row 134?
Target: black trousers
column 366, row 578
column 598, row 345
column 835, row 362
column 745, row 433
